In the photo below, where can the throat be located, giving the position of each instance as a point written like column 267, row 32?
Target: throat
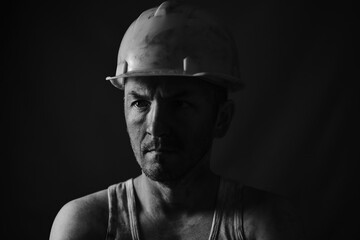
column 178, row 213
column 187, row 198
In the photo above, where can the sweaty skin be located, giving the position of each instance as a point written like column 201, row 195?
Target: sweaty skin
column 171, row 125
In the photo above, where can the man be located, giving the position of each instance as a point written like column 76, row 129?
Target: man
column 176, row 65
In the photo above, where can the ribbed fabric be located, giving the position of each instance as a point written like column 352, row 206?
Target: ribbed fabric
column 132, row 210
column 227, row 219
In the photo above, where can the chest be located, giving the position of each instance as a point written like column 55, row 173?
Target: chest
column 195, row 227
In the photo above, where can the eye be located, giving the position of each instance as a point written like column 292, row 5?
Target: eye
column 140, row 104
column 181, row 104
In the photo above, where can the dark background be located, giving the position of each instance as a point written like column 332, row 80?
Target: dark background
column 295, row 131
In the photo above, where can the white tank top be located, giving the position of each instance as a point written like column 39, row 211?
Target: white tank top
column 227, row 221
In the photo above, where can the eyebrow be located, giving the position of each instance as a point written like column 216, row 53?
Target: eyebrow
column 180, row 94
column 135, row 94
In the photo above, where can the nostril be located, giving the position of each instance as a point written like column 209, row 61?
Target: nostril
column 158, row 120
column 158, row 128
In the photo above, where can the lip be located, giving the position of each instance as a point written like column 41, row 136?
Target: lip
column 161, row 150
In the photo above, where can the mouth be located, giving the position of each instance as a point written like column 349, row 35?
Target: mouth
column 161, row 150
column 159, row 147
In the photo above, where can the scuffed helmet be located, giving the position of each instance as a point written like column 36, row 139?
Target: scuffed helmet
column 177, row 39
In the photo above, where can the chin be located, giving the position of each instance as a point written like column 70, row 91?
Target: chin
column 159, row 173
column 168, row 169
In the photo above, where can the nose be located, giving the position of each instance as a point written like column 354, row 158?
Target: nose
column 158, row 120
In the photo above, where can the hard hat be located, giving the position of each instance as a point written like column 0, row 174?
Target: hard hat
column 177, row 39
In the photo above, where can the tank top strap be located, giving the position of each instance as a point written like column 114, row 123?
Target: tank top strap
column 239, row 212
column 229, row 212
column 132, row 209
column 121, row 212
column 217, row 212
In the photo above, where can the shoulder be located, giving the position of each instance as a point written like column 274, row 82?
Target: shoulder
column 82, row 218
column 269, row 216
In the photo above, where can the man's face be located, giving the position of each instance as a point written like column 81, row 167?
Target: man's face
column 170, row 122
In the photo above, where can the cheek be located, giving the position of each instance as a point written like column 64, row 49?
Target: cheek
column 196, row 132
column 135, row 128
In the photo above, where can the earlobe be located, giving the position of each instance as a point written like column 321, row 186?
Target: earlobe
column 225, row 114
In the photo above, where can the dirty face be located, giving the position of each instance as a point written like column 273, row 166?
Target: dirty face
column 170, row 122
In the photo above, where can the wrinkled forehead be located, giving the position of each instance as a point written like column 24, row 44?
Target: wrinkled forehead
column 168, row 86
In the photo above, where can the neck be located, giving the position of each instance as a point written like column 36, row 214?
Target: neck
column 197, row 191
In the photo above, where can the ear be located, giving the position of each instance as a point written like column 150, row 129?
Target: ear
column 225, row 114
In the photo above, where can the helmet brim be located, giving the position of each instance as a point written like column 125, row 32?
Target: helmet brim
column 229, row 82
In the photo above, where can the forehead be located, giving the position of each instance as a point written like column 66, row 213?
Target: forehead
column 168, row 86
